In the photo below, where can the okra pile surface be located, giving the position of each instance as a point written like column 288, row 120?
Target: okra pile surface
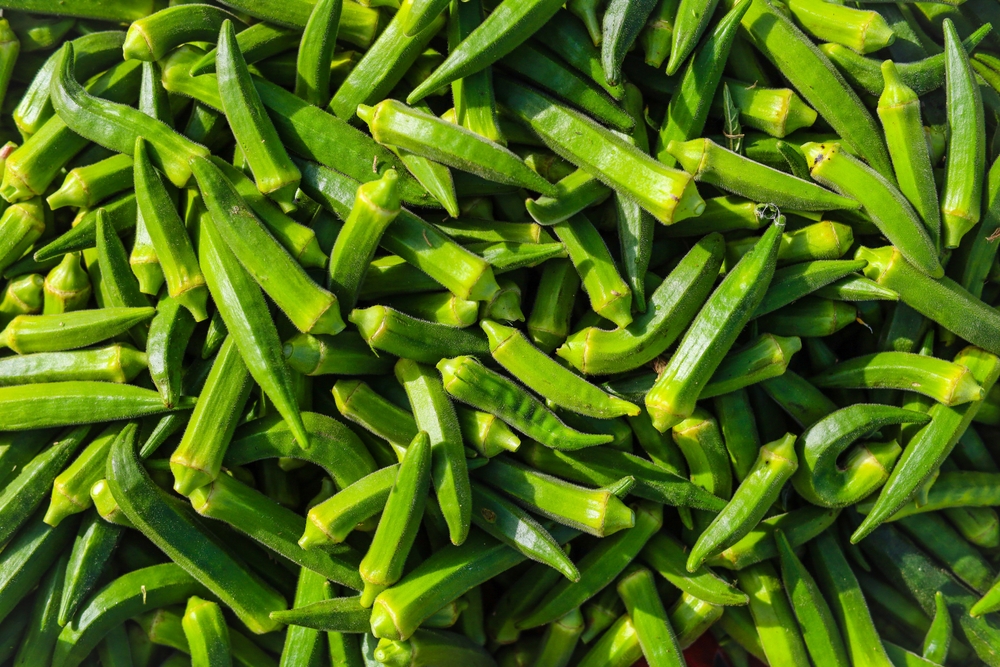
column 499, row 333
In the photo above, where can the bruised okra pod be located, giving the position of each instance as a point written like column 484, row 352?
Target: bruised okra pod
column 672, row 399
column 775, row 464
column 382, row 566
column 376, row 205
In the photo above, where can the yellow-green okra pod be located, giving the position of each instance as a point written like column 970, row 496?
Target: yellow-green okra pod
column 174, row 250
column 775, row 464
column 863, row 31
column 344, row 354
column 363, row 406
column 470, row 382
column 899, row 111
column 672, row 399
column 700, row 442
column 116, row 363
column 575, row 192
column 24, row 296
column 764, row 357
column 435, row 414
column 772, row 614
column 67, row 287
column 512, row 350
column 439, row 308
column 432, row 647
column 652, row 626
column 116, row 126
column 880, row 200
column 560, row 640
column 610, row 296
column 376, row 205
column 667, row 556
column 71, row 488
column 206, row 633
column 21, row 225
column 382, row 565
column 962, row 194
column 89, row 185
column 475, row 107
column 26, row 334
column 333, row 519
column 407, row 337
column 274, row 172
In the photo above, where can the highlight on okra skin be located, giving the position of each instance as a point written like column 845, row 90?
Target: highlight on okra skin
column 520, row 333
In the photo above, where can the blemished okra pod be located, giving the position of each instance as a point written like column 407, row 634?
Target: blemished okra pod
column 669, row 194
column 962, row 193
column 117, row 126
column 274, row 172
column 174, row 530
column 470, row 382
column 880, row 200
column 246, row 316
column 150, row 38
column 382, row 565
column 115, row 363
column 169, row 238
column 775, row 464
column 820, row 632
column 206, row 633
column 707, row 161
column 652, row 626
column 376, row 205
column 198, row 457
column 690, row 103
column 511, row 349
column 27, row 334
column 673, row 397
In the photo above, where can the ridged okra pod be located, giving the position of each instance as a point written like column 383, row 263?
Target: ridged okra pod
column 206, row 633
column 332, row 520
column 863, row 31
column 27, row 334
column 344, row 354
column 652, row 626
column 772, row 614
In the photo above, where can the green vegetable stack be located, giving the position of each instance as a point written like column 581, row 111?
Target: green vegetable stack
column 454, row 333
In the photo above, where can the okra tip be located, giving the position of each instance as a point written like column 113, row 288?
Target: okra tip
column 313, row 536
column 136, row 46
column 191, row 483
column 302, row 353
column 383, row 625
column 393, row 653
column 60, row 507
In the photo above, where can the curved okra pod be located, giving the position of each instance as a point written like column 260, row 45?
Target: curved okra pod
column 271, row 524
column 71, row 488
column 206, row 633
column 333, row 519
column 435, row 414
column 668, row 557
column 938, row 638
column 407, row 337
column 598, row 567
column 505, row 521
column 258, row 42
column 382, row 565
column 790, row 283
column 822, row 479
column 67, row 287
column 962, row 193
column 512, row 350
column 393, row 123
column 376, row 205
column 274, row 172
column 24, row 296
column 834, row 575
column 672, row 399
column 312, row 67
column 246, row 315
column 89, row 185
column 598, row 511
column 652, row 627
column 344, row 354
column 115, row 363
column 810, row 73
column 691, row 101
column 668, row 194
column 470, row 382
column 775, row 464
column 116, row 126
column 609, row 295
column 198, row 458
column 123, row 598
column 169, row 238
column 943, row 381
column 880, row 200
column 819, row 629
column 863, row 31
column 942, row 300
column 779, row 633
column 899, row 111
column 575, row 192
column 152, row 37
column 176, row 532
column 21, row 225
column 707, row 161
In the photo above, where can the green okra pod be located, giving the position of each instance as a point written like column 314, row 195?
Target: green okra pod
column 24, row 296
column 152, row 37
column 116, row 126
column 89, row 185
column 357, row 402
column 71, row 488
column 435, row 414
column 305, row 645
column 169, row 334
column 595, row 511
column 347, row 353
column 432, row 647
column 274, row 172
column 670, row 195
column 609, row 295
column 700, row 442
column 470, row 382
column 691, row 101
column 739, row 430
column 560, row 639
column 376, row 205
column 799, row 526
column 673, row 397
column 174, row 250
column 39, row 639
column 779, row 633
column 861, row 30
column 266, row 521
column 382, row 565
column 333, row 519
column 206, row 633
column 512, row 350
column 575, row 192
column 934, row 534
column 549, row 321
column 117, row 284
column 248, row 321
column 667, row 556
column 819, row 629
column 121, row 213
column 793, row 282
column 775, row 464
column 115, row 363
column 652, row 626
column 798, row 398
column 598, row 567
column 938, row 637
column 312, row 67
column 438, row 307
column 962, row 193
column 764, row 357
column 67, row 287
column 475, row 106
column 87, row 562
column 391, row 331
column 335, row 614
column 810, row 317
column 172, row 528
column 198, row 458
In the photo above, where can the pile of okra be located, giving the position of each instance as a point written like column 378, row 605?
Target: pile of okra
column 499, row 333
